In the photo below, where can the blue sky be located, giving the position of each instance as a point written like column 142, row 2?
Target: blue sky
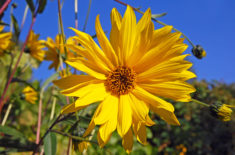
column 206, row 22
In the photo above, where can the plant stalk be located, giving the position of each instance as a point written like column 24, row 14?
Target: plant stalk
column 16, row 65
column 199, row 102
column 4, row 6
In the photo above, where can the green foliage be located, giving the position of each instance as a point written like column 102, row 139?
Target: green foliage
column 50, row 144
column 31, row 6
column 42, row 5
column 16, row 26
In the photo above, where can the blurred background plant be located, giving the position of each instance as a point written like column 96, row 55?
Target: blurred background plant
column 26, row 127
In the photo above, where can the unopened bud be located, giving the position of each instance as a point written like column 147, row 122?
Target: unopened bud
column 221, row 111
column 198, row 51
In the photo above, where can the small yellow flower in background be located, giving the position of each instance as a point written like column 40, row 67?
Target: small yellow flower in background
column 54, row 47
column 182, row 148
column 5, row 40
column 129, row 75
column 30, row 94
column 222, row 111
column 35, row 47
column 80, row 146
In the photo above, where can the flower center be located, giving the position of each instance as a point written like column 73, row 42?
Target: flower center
column 120, row 81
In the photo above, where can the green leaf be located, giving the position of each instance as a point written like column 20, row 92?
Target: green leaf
column 50, row 144
column 16, row 26
column 31, row 5
column 159, row 15
column 11, row 131
column 42, row 4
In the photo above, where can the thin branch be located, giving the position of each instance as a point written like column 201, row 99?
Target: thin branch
column 58, row 119
column 87, row 16
column 74, row 137
column 4, row 6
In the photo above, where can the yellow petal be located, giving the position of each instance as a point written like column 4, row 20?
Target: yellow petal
column 166, row 115
column 91, row 97
column 72, row 80
column 116, row 21
column 145, row 29
column 104, row 43
column 87, row 42
column 171, row 66
column 176, row 90
column 182, row 76
column 83, row 88
column 149, row 121
column 127, row 141
column 85, row 67
column 160, row 33
column 70, row 108
column 109, row 111
column 105, row 131
column 156, row 53
column 124, row 115
column 100, row 141
column 149, row 98
column 127, row 35
column 139, row 108
column 92, row 123
column 140, row 131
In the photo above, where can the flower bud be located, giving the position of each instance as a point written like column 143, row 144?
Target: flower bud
column 80, row 145
column 198, row 51
column 221, row 111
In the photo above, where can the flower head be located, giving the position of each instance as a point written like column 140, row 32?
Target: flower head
column 222, row 111
column 129, row 75
column 30, row 94
column 5, row 40
column 57, row 47
column 35, row 47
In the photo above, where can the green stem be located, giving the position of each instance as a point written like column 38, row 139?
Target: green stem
column 53, row 108
column 61, row 26
column 24, row 17
column 73, row 137
column 58, row 119
column 7, row 114
column 23, row 81
column 199, row 102
column 87, row 16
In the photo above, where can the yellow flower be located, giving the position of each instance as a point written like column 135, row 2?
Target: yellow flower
column 34, row 46
column 222, row 111
column 54, row 47
column 30, row 95
column 129, row 74
column 80, row 146
column 5, row 40
column 182, row 148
